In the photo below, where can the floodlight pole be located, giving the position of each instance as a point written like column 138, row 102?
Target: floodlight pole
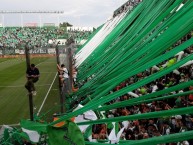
column 27, row 55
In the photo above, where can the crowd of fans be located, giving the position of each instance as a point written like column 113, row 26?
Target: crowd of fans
column 127, row 6
column 36, row 37
column 79, row 35
column 133, row 130
column 16, row 37
column 147, row 128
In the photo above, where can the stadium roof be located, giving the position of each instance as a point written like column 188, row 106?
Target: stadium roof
column 28, row 11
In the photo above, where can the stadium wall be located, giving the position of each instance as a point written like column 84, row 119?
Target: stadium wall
column 32, row 56
column 32, row 51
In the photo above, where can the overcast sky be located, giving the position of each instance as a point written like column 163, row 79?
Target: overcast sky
column 77, row 12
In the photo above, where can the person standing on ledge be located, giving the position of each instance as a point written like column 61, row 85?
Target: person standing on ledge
column 32, row 75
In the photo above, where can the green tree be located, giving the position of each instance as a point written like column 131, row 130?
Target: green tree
column 65, row 24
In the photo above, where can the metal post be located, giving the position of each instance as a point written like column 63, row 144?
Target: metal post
column 27, row 55
column 60, row 89
column 70, row 66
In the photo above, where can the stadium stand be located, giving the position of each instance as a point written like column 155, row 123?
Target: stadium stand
column 124, row 105
column 135, row 81
column 15, row 37
column 147, row 128
column 79, row 35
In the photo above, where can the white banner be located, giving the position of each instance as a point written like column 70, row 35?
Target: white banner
column 51, row 51
column 17, row 51
column 62, row 41
column 21, row 52
column 38, row 51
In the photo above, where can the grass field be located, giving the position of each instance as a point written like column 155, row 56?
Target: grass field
column 14, row 102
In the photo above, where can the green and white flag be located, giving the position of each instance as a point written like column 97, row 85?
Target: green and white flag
column 33, row 136
column 32, row 130
column 86, row 116
column 115, row 134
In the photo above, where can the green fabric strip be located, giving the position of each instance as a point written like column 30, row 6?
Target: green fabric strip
column 172, row 112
